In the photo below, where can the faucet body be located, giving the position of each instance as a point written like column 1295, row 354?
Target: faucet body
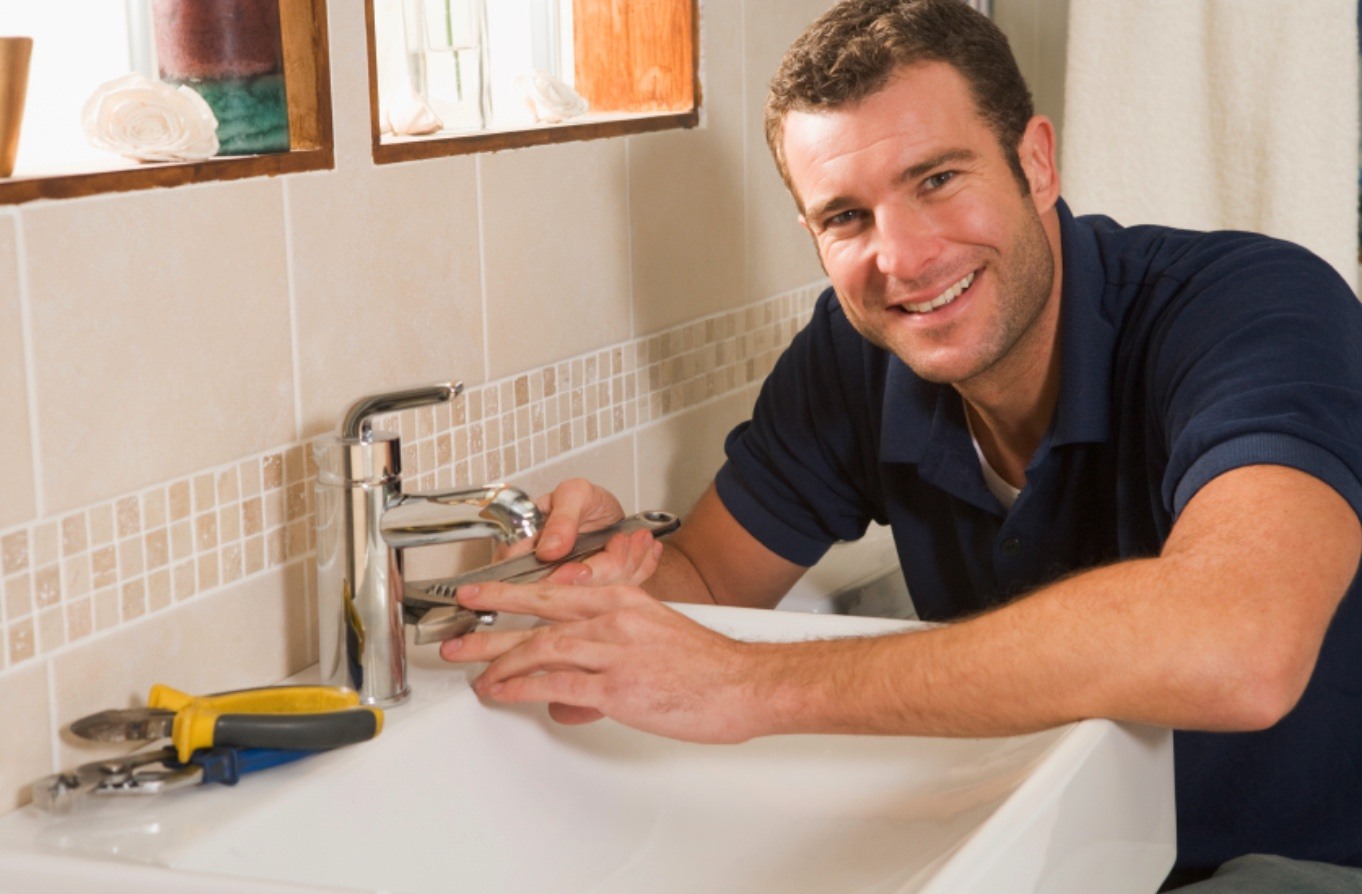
column 365, row 521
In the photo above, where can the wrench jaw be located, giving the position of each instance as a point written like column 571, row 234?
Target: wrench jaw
column 61, row 792
column 431, row 607
column 141, row 773
column 441, row 622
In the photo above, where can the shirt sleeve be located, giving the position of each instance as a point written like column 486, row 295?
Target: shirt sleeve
column 1258, row 360
column 797, row 475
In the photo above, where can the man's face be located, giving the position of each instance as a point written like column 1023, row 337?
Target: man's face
column 922, row 227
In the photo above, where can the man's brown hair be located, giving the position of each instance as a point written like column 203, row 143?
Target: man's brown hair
column 855, row 47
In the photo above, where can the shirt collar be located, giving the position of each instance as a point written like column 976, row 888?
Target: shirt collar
column 1087, row 339
column 919, row 414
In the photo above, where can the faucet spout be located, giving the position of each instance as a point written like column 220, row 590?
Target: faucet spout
column 356, row 424
column 495, row 511
column 365, row 522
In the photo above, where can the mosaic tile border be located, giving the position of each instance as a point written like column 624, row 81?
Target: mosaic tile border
column 67, row 577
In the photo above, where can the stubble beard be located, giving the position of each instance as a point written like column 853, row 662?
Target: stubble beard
column 1022, row 291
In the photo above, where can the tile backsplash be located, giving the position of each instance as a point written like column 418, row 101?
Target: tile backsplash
column 63, row 579
column 67, row 577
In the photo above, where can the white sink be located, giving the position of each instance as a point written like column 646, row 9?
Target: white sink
column 459, row 795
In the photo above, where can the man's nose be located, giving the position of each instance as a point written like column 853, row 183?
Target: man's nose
column 906, row 244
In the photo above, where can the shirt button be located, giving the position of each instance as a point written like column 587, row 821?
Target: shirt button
column 1011, row 546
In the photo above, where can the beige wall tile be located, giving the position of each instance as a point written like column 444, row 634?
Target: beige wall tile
column 25, row 746
column 17, row 500
column 780, row 254
column 251, row 634
column 161, row 332
column 609, row 464
column 556, row 224
column 387, row 282
column 679, row 455
column 686, row 195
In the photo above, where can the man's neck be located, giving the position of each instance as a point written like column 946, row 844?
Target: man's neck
column 1011, row 405
column 1009, row 433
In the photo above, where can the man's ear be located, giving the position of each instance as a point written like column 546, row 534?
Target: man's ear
column 1037, row 154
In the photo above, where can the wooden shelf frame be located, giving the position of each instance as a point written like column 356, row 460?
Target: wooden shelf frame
column 609, row 28
column 307, row 76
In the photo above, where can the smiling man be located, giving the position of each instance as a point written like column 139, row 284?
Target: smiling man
column 936, row 243
column 1123, row 462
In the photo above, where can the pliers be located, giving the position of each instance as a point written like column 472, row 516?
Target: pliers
column 153, row 772
column 286, row 717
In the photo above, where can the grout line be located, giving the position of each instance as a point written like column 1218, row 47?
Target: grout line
column 638, row 478
column 30, row 366
column 746, row 161
column 54, row 739
column 291, row 276
column 482, row 273
column 629, row 238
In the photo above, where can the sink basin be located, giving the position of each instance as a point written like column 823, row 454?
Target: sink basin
column 457, row 794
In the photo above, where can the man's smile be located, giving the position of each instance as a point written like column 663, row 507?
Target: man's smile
column 945, row 298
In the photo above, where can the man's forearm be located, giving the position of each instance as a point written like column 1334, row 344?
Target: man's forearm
column 714, row 559
column 677, row 580
column 1220, row 632
column 1088, row 647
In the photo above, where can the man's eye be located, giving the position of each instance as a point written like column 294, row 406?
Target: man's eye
column 936, row 181
column 841, row 219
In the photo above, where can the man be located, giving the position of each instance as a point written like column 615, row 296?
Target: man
column 1124, row 461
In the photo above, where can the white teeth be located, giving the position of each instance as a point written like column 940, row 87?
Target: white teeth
column 943, row 299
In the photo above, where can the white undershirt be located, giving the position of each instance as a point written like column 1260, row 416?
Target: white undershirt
column 997, row 485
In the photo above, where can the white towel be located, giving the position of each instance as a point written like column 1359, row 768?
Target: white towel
column 1217, row 114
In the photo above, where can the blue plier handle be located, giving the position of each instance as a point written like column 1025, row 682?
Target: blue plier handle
column 228, row 765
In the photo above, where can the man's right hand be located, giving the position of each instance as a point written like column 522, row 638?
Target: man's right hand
column 711, row 559
column 575, row 506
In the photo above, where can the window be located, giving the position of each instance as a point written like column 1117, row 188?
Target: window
column 73, row 55
column 454, row 76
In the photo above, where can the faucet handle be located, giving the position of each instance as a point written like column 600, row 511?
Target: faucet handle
column 356, row 426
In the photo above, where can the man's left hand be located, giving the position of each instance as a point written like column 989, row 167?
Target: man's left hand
column 611, row 651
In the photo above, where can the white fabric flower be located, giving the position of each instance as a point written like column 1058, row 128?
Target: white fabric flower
column 150, row 121
column 406, row 114
column 549, row 98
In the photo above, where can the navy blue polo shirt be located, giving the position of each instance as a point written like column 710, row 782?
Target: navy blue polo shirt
column 1183, row 355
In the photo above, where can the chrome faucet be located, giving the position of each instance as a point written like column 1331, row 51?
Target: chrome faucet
column 365, row 521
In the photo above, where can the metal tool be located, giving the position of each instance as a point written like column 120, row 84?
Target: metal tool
column 286, row 717
column 153, row 772
column 432, row 608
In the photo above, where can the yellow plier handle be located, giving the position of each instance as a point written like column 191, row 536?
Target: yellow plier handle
column 300, row 717
column 262, row 700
